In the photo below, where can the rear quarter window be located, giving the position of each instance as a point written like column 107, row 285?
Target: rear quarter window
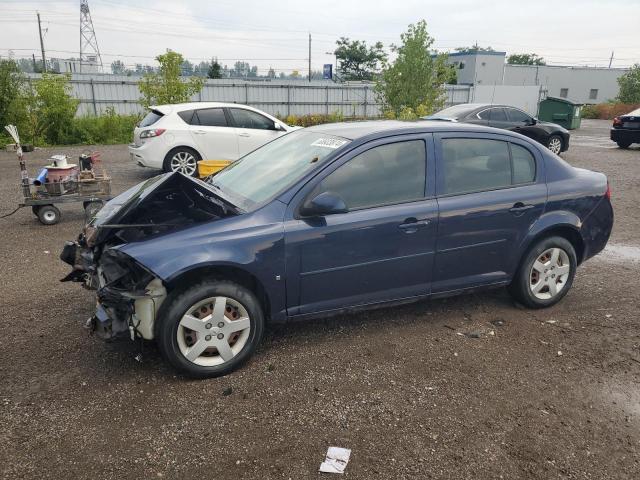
column 150, row 118
column 524, row 165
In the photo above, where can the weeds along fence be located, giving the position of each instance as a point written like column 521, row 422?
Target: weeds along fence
column 97, row 92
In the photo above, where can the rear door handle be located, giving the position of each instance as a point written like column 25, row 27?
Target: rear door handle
column 411, row 225
column 519, row 208
column 244, row 134
column 200, row 132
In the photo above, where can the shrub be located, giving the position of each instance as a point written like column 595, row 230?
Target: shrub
column 607, row 111
column 109, row 128
column 313, row 119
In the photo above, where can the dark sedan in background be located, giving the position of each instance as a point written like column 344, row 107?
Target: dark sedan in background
column 626, row 129
column 551, row 135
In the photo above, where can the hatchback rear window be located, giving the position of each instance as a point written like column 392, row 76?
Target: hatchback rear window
column 152, row 117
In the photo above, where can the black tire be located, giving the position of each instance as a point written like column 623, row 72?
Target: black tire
column 166, row 165
column 178, row 303
column 91, row 208
column 49, row 215
column 624, row 144
column 552, row 139
column 520, row 287
column 34, row 209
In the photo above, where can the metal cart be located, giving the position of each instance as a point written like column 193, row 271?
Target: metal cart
column 93, row 193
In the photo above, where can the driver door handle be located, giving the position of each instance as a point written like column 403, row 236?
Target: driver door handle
column 244, row 134
column 520, row 208
column 411, row 224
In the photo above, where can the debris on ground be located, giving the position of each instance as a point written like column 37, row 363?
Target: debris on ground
column 227, row 391
column 336, row 460
column 559, row 353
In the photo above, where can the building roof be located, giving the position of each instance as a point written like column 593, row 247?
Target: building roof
column 477, row 52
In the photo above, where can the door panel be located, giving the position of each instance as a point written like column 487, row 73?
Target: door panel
column 253, row 129
column 479, row 232
column 361, row 257
column 214, row 139
column 369, row 254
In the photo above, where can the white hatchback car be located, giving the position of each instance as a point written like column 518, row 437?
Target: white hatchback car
column 175, row 137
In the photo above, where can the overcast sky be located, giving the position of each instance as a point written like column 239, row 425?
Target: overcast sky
column 274, row 33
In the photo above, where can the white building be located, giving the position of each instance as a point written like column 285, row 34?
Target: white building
column 578, row 84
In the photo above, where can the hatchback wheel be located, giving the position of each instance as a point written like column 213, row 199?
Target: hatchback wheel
column 211, row 328
column 624, row 144
column 182, row 160
column 546, row 273
column 555, row 144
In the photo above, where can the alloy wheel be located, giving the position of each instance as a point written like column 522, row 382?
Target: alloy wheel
column 213, row 331
column 184, row 162
column 555, row 145
column 549, row 273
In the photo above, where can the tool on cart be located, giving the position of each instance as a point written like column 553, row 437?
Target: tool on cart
column 63, row 182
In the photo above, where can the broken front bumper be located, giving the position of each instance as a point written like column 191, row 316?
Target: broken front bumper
column 128, row 296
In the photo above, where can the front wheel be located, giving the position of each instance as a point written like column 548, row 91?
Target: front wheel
column 182, row 159
column 210, row 329
column 624, row 144
column 555, row 144
column 545, row 274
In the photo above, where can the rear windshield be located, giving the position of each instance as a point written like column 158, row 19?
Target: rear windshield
column 152, row 117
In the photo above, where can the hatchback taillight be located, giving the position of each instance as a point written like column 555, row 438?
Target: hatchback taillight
column 152, row 133
column 607, row 194
column 617, row 122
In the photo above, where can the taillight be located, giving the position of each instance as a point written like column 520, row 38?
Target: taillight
column 152, row 133
column 617, row 122
column 607, row 194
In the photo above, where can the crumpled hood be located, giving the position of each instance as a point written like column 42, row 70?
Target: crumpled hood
column 158, row 205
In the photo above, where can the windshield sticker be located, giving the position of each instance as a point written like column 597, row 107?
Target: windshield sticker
column 329, row 143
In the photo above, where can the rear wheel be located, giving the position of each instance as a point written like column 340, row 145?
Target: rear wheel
column 211, row 328
column 49, row 215
column 545, row 274
column 555, row 144
column 182, row 159
column 623, row 144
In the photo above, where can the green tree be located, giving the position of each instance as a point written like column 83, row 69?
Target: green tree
column 475, row 48
column 166, row 85
column 12, row 82
column 413, row 85
column 215, row 69
column 630, row 85
column 357, row 60
column 525, row 59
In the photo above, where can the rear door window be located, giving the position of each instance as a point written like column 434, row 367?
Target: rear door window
column 210, row 117
column 150, row 118
column 475, row 164
column 494, row 115
column 248, row 119
column 479, row 164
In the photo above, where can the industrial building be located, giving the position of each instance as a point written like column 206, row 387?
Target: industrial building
column 578, row 84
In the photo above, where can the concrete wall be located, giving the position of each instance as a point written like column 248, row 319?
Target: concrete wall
column 523, row 97
column 482, row 68
column 578, row 80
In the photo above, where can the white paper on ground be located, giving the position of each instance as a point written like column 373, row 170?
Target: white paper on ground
column 336, row 460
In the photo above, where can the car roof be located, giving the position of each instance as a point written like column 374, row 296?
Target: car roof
column 360, row 129
column 180, row 107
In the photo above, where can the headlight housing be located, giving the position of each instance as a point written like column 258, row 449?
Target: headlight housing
column 118, row 270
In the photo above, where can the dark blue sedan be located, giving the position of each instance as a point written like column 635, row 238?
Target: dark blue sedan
column 331, row 219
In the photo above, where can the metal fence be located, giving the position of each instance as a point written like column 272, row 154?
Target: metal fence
column 98, row 92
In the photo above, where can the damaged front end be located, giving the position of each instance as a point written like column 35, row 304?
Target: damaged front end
column 129, row 295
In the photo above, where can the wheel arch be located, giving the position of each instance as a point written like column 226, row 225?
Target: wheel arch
column 566, row 230
column 229, row 272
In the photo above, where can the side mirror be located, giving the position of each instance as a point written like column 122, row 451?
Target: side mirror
column 326, row 203
column 279, row 127
column 533, row 121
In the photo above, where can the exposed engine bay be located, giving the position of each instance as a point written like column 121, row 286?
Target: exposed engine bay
column 128, row 294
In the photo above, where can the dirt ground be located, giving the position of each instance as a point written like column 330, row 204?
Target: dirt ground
column 539, row 394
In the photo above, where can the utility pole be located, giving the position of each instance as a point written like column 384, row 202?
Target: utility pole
column 33, row 57
column 44, row 60
column 611, row 60
column 309, row 57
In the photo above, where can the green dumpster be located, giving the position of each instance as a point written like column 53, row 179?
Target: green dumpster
column 561, row 111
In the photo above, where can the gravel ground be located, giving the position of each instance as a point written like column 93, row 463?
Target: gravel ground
column 540, row 394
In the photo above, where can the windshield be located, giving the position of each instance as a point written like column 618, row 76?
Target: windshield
column 263, row 173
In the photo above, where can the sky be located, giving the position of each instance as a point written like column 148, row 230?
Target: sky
column 275, row 33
